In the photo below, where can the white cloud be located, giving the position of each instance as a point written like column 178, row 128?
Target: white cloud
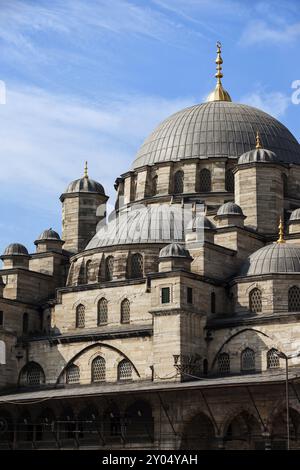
column 259, row 31
column 274, row 103
column 46, row 138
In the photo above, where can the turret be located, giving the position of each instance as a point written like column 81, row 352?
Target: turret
column 83, row 207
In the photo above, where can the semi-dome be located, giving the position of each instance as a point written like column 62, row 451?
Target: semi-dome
column 258, row 155
column 174, row 250
column 49, row 234
column 295, row 215
column 229, row 208
column 157, row 223
column 273, row 258
column 15, row 249
column 216, row 129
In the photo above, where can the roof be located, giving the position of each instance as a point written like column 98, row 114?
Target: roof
column 216, row 129
column 174, row 250
column 273, row 258
column 258, row 155
column 86, row 185
column 49, row 234
column 269, row 377
column 229, row 208
column 15, row 249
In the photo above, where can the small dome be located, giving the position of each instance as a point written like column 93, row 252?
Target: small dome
column 85, row 185
column 174, row 250
column 49, row 234
column 229, row 208
column 273, row 258
column 295, row 215
column 15, row 249
column 201, row 222
column 258, row 155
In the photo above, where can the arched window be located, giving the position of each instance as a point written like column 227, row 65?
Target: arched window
column 178, row 182
column 72, row 374
column 133, row 188
column 213, row 302
column 2, row 353
column 25, row 325
column 102, row 312
column 255, row 304
column 204, row 181
column 32, row 374
column 229, row 181
column 137, row 266
column 248, row 360
column 89, row 271
column 154, row 185
column 98, row 369
column 109, row 268
column 224, row 363
column 125, row 311
column 272, row 359
column 80, row 316
column 294, row 299
column 284, row 184
column 125, row 370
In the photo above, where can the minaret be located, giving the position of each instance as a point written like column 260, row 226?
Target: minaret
column 219, row 94
column 83, row 207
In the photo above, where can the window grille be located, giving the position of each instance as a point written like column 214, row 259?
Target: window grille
column 178, row 182
column 137, row 266
column 272, row 359
column 73, row 374
column 248, row 359
column 34, row 375
column 154, row 185
column 224, row 363
column 109, row 268
column 213, row 302
column 294, row 299
column 98, row 369
column 80, row 316
column 25, row 323
column 125, row 311
column 165, row 295
column 205, row 181
column 255, row 304
column 124, row 370
column 229, row 181
column 102, row 312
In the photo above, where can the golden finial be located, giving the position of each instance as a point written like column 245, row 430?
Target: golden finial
column 86, row 170
column 280, row 227
column 258, row 142
column 219, row 94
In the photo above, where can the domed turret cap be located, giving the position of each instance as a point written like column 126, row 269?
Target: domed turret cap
column 174, row 250
column 49, row 234
column 15, row 249
column 84, row 185
column 295, row 216
column 230, row 208
column 258, row 154
column 201, row 222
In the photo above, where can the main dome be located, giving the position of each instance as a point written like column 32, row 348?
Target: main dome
column 216, row 129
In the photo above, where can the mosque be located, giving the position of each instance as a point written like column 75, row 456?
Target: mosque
column 174, row 322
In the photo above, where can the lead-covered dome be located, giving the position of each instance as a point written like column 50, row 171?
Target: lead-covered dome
column 216, row 129
column 258, row 155
column 273, row 258
column 15, row 249
column 230, row 208
column 174, row 250
column 86, row 185
column 49, row 234
column 295, row 215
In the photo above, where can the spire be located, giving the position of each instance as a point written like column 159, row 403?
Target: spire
column 258, row 142
column 219, row 94
column 86, row 170
column 280, row 227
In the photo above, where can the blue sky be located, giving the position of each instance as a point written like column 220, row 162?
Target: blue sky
column 89, row 79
